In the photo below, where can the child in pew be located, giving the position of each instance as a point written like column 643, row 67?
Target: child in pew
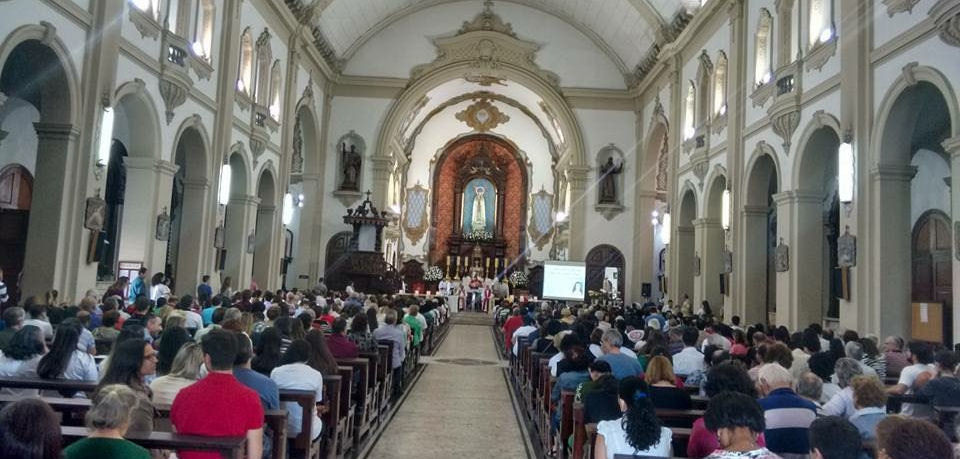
column 108, row 419
column 638, row 432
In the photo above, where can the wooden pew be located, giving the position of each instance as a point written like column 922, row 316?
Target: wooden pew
column 700, row 402
column 308, row 405
column 390, row 379
column 228, row 447
column 345, row 423
column 679, row 418
column 333, row 424
column 583, row 442
column 566, row 423
column 78, row 407
column 543, row 422
column 372, row 401
column 363, row 397
column 47, row 384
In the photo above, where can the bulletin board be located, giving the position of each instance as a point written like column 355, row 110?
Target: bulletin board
column 927, row 322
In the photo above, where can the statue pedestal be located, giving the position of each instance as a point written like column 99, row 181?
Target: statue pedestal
column 347, row 197
column 609, row 210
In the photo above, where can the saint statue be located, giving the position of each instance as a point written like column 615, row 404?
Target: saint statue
column 351, row 167
column 608, row 182
column 479, row 218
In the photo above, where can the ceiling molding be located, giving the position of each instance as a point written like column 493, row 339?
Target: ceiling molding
column 425, row 4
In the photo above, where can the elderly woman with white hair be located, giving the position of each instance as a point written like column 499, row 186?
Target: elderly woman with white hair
column 842, row 403
column 108, row 420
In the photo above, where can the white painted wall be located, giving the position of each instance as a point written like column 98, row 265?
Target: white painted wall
column 20, row 146
column 928, row 190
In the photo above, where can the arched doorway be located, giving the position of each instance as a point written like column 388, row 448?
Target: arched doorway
column 684, row 245
column 337, row 248
column 760, row 236
column 932, row 279
column 264, row 231
column 37, row 77
column 185, row 250
column 817, row 225
column 16, row 194
column 914, row 196
column 605, row 261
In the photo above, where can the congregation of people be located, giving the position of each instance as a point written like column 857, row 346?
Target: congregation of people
column 767, row 391
column 217, row 362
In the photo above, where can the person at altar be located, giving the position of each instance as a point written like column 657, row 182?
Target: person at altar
column 487, row 294
column 500, row 290
column 475, row 293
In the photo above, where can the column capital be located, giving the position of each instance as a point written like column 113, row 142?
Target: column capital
column 755, row 211
column 266, row 208
column 196, row 184
column 952, row 146
column 797, row 196
column 890, row 172
column 243, row 200
column 706, row 223
column 647, row 194
column 62, row 131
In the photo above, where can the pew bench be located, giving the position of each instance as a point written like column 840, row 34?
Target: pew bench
column 228, row 447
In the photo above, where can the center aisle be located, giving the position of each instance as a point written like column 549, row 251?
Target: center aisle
column 461, row 406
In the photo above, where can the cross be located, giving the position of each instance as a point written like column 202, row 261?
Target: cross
column 368, row 195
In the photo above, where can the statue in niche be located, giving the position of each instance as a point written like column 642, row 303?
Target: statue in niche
column 479, row 218
column 847, row 249
column 608, row 181
column 163, row 226
column 782, row 257
column 351, row 167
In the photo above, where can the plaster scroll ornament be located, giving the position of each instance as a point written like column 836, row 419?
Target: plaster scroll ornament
column 485, row 80
column 782, row 257
column 482, row 116
column 847, row 249
column 163, row 226
column 95, row 213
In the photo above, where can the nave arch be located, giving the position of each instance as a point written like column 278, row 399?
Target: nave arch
column 755, row 274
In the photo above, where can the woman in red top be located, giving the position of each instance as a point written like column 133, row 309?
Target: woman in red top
column 726, row 377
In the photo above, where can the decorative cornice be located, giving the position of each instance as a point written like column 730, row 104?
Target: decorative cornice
column 487, row 20
column 946, row 16
column 899, row 6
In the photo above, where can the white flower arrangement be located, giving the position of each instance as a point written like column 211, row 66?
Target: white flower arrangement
column 478, row 235
column 433, row 274
column 518, row 279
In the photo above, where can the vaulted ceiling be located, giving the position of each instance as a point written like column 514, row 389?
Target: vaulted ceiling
column 625, row 28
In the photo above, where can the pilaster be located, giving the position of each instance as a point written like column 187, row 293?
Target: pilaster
column 239, row 226
column 577, row 175
column 149, row 186
column 709, row 247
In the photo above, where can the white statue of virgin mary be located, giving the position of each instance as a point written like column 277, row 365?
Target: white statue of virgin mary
column 479, row 217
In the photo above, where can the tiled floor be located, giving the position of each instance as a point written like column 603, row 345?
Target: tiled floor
column 460, row 407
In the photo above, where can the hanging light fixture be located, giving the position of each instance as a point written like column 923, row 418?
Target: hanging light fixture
column 725, row 210
column 106, row 136
column 287, row 212
column 665, row 228
column 845, row 172
column 224, row 195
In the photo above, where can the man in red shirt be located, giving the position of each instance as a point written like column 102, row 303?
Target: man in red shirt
column 510, row 326
column 340, row 346
column 219, row 405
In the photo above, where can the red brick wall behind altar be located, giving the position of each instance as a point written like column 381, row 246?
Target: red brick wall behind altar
column 445, row 212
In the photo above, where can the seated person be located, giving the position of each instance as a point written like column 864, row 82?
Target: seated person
column 622, row 365
column 599, row 395
column 638, row 432
column 870, row 401
column 575, row 373
column 663, row 390
column 901, row 437
column 108, row 419
column 295, row 373
column 726, row 377
column 833, row 437
column 738, row 421
column 944, row 388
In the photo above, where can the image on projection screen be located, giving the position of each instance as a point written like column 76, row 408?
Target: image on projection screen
column 564, row 280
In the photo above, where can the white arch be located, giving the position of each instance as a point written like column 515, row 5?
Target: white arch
column 46, row 33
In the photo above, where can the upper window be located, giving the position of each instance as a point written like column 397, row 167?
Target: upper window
column 720, row 85
column 703, row 89
column 245, row 76
column 764, row 49
column 264, row 62
column 275, row 90
column 151, row 7
column 821, row 21
column 203, row 34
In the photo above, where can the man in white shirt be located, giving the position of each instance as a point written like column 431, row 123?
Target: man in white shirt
column 194, row 320
column 299, row 376
column 689, row 359
column 920, row 356
column 38, row 318
column 525, row 330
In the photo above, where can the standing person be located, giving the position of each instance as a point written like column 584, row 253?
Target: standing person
column 108, row 420
column 118, row 288
column 226, row 287
column 158, row 289
column 638, row 432
column 138, row 287
column 29, row 429
column 204, row 290
column 219, row 405
column 4, row 296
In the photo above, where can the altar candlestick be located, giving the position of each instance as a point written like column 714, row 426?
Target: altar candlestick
column 448, row 266
column 496, row 266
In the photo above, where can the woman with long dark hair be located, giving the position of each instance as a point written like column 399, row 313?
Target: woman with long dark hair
column 638, row 432
column 65, row 360
column 21, row 358
column 119, row 289
column 171, row 342
column 29, row 429
column 320, row 357
column 131, row 361
column 268, row 351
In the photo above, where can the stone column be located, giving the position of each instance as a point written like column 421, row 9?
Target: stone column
column 682, row 279
column 148, row 190
column 804, row 211
column 239, row 224
column 264, row 255
column 709, row 244
column 196, row 239
column 751, row 270
column 952, row 147
column 51, row 231
column 578, row 212
column 738, row 86
column 889, row 253
column 306, row 257
column 643, row 235
column 380, row 166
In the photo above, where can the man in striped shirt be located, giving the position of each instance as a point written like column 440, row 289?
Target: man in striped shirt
column 788, row 416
